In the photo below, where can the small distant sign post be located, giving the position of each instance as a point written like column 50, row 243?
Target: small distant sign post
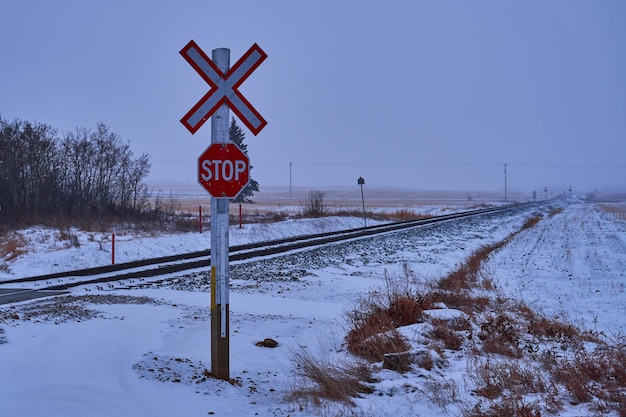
column 223, row 170
column 361, row 181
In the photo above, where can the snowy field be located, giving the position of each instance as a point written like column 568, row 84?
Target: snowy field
column 145, row 351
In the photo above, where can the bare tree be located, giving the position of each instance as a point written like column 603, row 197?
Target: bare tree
column 314, row 205
column 83, row 172
column 28, row 167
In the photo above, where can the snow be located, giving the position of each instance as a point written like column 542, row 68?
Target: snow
column 51, row 251
column 572, row 266
column 110, row 356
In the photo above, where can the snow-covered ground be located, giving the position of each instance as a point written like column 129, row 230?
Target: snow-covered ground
column 572, row 265
column 144, row 351
column 50, row 251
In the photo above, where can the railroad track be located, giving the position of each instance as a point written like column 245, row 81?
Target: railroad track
column 154, row 267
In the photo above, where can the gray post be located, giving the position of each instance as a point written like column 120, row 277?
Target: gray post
column 220, row 346
column 361, row 181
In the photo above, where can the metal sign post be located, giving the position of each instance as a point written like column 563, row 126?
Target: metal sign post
column 220, row 343
column 222, row 170
column 361, row 181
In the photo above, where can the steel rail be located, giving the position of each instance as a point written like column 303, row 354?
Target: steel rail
column 200, row 259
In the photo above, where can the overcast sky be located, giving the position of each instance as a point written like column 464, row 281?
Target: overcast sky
column 414, row 94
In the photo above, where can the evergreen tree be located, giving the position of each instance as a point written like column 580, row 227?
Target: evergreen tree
column 237, row 136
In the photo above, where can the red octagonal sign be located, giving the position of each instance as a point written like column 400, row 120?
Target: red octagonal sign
column 223, row 170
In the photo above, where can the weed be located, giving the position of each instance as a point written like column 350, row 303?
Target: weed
column 425, row 360
column 600, row 374
column 518, row 378
column 464, row 300
column 401, row 362
column 370, row 343
column 324, row 378
column 509, row 407
column 451, row 339
column 441, row 392
column 531, row 222
column 12, row 247
column 501, row 334
column 375, row 318
column 552, row 329
column 524, row 310
column 467, row 275
column 555, row 211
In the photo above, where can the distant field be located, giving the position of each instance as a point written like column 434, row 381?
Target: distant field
column 617, row 209
column 281, row 199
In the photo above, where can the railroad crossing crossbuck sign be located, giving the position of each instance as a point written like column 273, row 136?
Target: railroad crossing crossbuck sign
column 224, row 88
column 223, row 170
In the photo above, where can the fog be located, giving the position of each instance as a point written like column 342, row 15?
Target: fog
column 410, row 94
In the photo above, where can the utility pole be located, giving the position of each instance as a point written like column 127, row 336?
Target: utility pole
column 290, row 164
column 504, row 182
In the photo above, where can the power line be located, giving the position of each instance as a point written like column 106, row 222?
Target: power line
column 376, row 164
column 419, row 165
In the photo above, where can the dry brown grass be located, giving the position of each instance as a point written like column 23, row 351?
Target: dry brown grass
column 13, row 245
column 373, row 332
column 501, row 334
column 511, row 407
column 323, row 378
column 555, row 211
column 373, row 321
column 599, row 375
column 551, row 329
column 468, row 275
column 450, row 336
column 466, row 301
column 376, row 346
column 494, row 377
column 531, row 222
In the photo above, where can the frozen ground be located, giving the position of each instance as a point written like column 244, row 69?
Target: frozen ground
column 573, row 266
column 144, row 351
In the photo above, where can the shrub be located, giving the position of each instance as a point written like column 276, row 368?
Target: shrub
column 373, row 321
column 314, row 205
column 500, row 334
column 12, row 247
column 375, row 337
column 451, row 339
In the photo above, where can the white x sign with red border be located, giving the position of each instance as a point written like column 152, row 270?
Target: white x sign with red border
column 224, row 88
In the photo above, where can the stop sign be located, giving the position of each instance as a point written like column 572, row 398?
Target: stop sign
column 223, row 170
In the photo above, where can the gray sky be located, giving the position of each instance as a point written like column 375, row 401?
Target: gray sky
column 413, row 94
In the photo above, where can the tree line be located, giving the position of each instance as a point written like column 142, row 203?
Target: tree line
column 79, row 173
